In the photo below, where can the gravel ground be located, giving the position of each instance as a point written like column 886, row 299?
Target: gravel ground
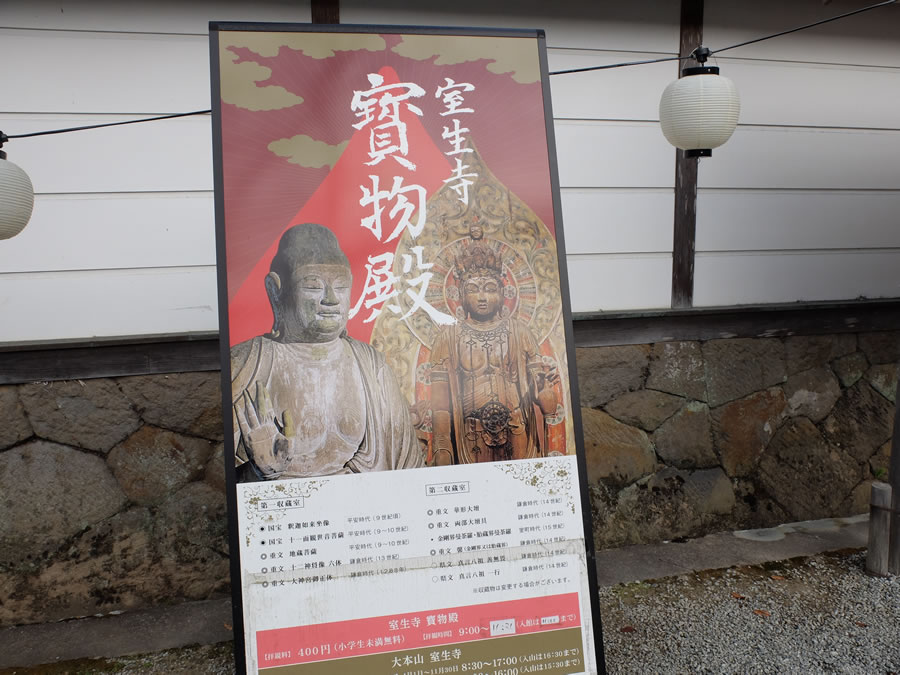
column 811, row 615
column 203, row 660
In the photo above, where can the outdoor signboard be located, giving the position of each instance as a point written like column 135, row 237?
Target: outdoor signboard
column 405, row 471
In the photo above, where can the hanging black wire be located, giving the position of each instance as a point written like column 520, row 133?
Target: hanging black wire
column 809, row 25
column 5, row 137
column 622, row 65
column 723, row 49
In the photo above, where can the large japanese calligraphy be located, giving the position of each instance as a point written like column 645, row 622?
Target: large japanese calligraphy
column 388, row 249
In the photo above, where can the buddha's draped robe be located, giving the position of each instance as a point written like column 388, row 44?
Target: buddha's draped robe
column 389, row 441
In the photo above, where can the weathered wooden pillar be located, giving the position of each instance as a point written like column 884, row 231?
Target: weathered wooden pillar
column 894, row 478
column 685, row 222
column 325, row 11
column 879, row 530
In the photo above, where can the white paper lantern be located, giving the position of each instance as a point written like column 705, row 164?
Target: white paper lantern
column 16, row 198
column 699, row 111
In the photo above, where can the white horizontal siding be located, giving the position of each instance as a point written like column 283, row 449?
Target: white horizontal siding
column 47, row 306
column 613, row 154
column 773, row 198
column 815, row 95
column 619, row 282
column 164, row 156
column 615, row 94
column 802, row 203
column 160, row 16
column 122, row 240
column 601, row 221
column 639, row 25
column 751, row 278
column 759, row 220
column 90, row 232
column 616, row 174
column 777, row 158
column 93, row 72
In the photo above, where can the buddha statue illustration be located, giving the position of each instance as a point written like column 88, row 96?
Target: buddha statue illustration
column 308, row 400
column 490, row 387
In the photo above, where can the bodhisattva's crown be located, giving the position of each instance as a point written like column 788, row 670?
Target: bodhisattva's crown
column 478, row 261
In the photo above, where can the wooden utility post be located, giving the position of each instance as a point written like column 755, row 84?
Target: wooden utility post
column 877, row 556
column 685, row 223
column 883, row 556
column 894, row 477
column 325, row 11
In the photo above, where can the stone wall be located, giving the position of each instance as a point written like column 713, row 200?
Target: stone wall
column 111, row 495
column 112, row 489
column 686, row 438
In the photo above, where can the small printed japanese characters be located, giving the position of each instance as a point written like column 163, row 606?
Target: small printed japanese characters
column 307, row 399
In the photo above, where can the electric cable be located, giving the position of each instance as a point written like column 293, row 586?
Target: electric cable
column 692, row 55
column 5, row 137
column 723, row 49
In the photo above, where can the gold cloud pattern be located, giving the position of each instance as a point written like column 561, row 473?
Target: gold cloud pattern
column 240, row 81
column 307, row 151
column 240, row 85
column 516, row 56
column 313, row 45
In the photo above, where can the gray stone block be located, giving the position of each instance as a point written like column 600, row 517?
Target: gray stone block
column 607, row 372
column 214, row 474
column 881, row 347
column 804, row 473
column 858, row 501
column 91, row 414
column 849, row 369
column 812, row 393
column 153, row 462
column 860, row 422
column 883, row 379
column 646, row 408
column 710, row 492
column 107, row 567
column 754, row 507
column 136, row 558
column 738, row 367
column 802, row 352
column 678, row 368
column 190, row 403
column 49, row 493
column 742, row 429
column 615, row 452
column 685, row 439
column 190, row 534
column 14, row 425
column 880, row 462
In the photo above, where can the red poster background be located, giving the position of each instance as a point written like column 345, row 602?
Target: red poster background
column 264, row 193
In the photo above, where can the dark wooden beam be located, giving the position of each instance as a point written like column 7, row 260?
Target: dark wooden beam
column 90, row 360
column 108, row 360
column 685, row 221
column 325, row 11
column 730, row 322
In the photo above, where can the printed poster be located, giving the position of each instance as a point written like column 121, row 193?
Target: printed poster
column 406, row 491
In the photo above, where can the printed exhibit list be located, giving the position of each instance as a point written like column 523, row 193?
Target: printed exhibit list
column 420, row 565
